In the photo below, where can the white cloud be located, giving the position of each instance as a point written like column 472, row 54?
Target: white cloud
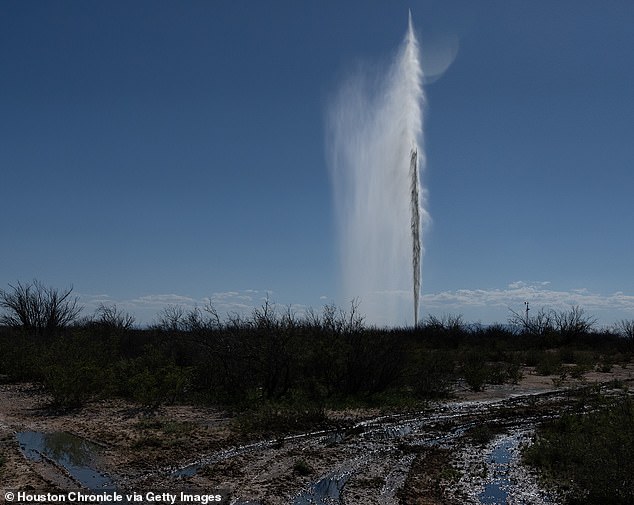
column 147, row 307
column 538, row 294
column 162, row 300
column 92, row 302
column 524, row 284
column 487, row 305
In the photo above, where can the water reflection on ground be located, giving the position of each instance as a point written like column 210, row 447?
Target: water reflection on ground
column 75, row 454
column 496, row 489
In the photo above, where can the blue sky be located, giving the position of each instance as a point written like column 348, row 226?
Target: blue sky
column 157, row 153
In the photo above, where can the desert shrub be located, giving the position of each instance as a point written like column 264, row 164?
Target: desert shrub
column 20, row 356
column 448, row 325
column 482, row 434
column 532, row 357
column 577, row 371
column 476, row 373
column 151, row 379
column 277, row 357
column 302, row 468
column 583, row 358
column 496, row 373
column 374, row 362
column 38, row 309
column 151, row 388
column 592, row 452
column 539, row 324
column 625, row 330
column 76, row 370
column 338, row 357
column 567, row 355
column 113, row 318
column 549, row 364
column 554, row 327
column 74, row 383
column 265, row 345
column 221, row 370
column 514, row 372
column 355, row 360
column 504, row 371
column 432, row 374
column 573, row 323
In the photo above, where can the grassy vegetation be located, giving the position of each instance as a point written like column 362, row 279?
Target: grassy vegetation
column 283, row 368
column 275, row 418
column 326, row 359
column 302, row 468
column 157, row 432
column 589, row 455
column 482, row 434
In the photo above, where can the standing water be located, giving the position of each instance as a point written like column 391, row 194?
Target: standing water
column 374, row 135
column 76, row 455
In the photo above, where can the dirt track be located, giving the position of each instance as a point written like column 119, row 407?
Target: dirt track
column 424, row 457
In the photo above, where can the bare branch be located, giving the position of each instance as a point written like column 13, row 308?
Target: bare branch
column 38, row 308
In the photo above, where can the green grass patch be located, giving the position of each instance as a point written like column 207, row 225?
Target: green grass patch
column 548, row 364
column 302, row 468
column 273, row 418
column 482, row 434
column 148, row 441
column 591, row 452
column 158, row 432
column 165, row 426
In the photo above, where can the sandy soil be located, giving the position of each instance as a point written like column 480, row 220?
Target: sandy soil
column 382, row 458
column 134, row 443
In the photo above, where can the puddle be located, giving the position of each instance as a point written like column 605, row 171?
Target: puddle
column 326, row 491
column 189, row 470
column 334, row 438
column 77, row 455
column 365, row 443
column 497, row 491
column 193, row 468
column 391, row 432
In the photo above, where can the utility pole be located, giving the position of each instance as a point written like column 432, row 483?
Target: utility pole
column 527, row 309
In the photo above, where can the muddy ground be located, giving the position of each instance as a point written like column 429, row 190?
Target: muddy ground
column 450, row 452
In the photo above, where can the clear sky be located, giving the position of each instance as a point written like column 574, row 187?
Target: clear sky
column 157, row 152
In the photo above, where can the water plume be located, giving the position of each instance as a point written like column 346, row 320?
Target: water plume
column 374, row 137
column 415, row 228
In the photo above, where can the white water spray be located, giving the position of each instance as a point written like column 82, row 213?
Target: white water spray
column 375, row 131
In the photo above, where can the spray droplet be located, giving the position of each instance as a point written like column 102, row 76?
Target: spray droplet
column 374, row 141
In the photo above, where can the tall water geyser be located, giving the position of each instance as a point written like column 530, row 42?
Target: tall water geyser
column 375, row 127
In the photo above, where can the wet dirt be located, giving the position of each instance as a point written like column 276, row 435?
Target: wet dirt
column 425, row 456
